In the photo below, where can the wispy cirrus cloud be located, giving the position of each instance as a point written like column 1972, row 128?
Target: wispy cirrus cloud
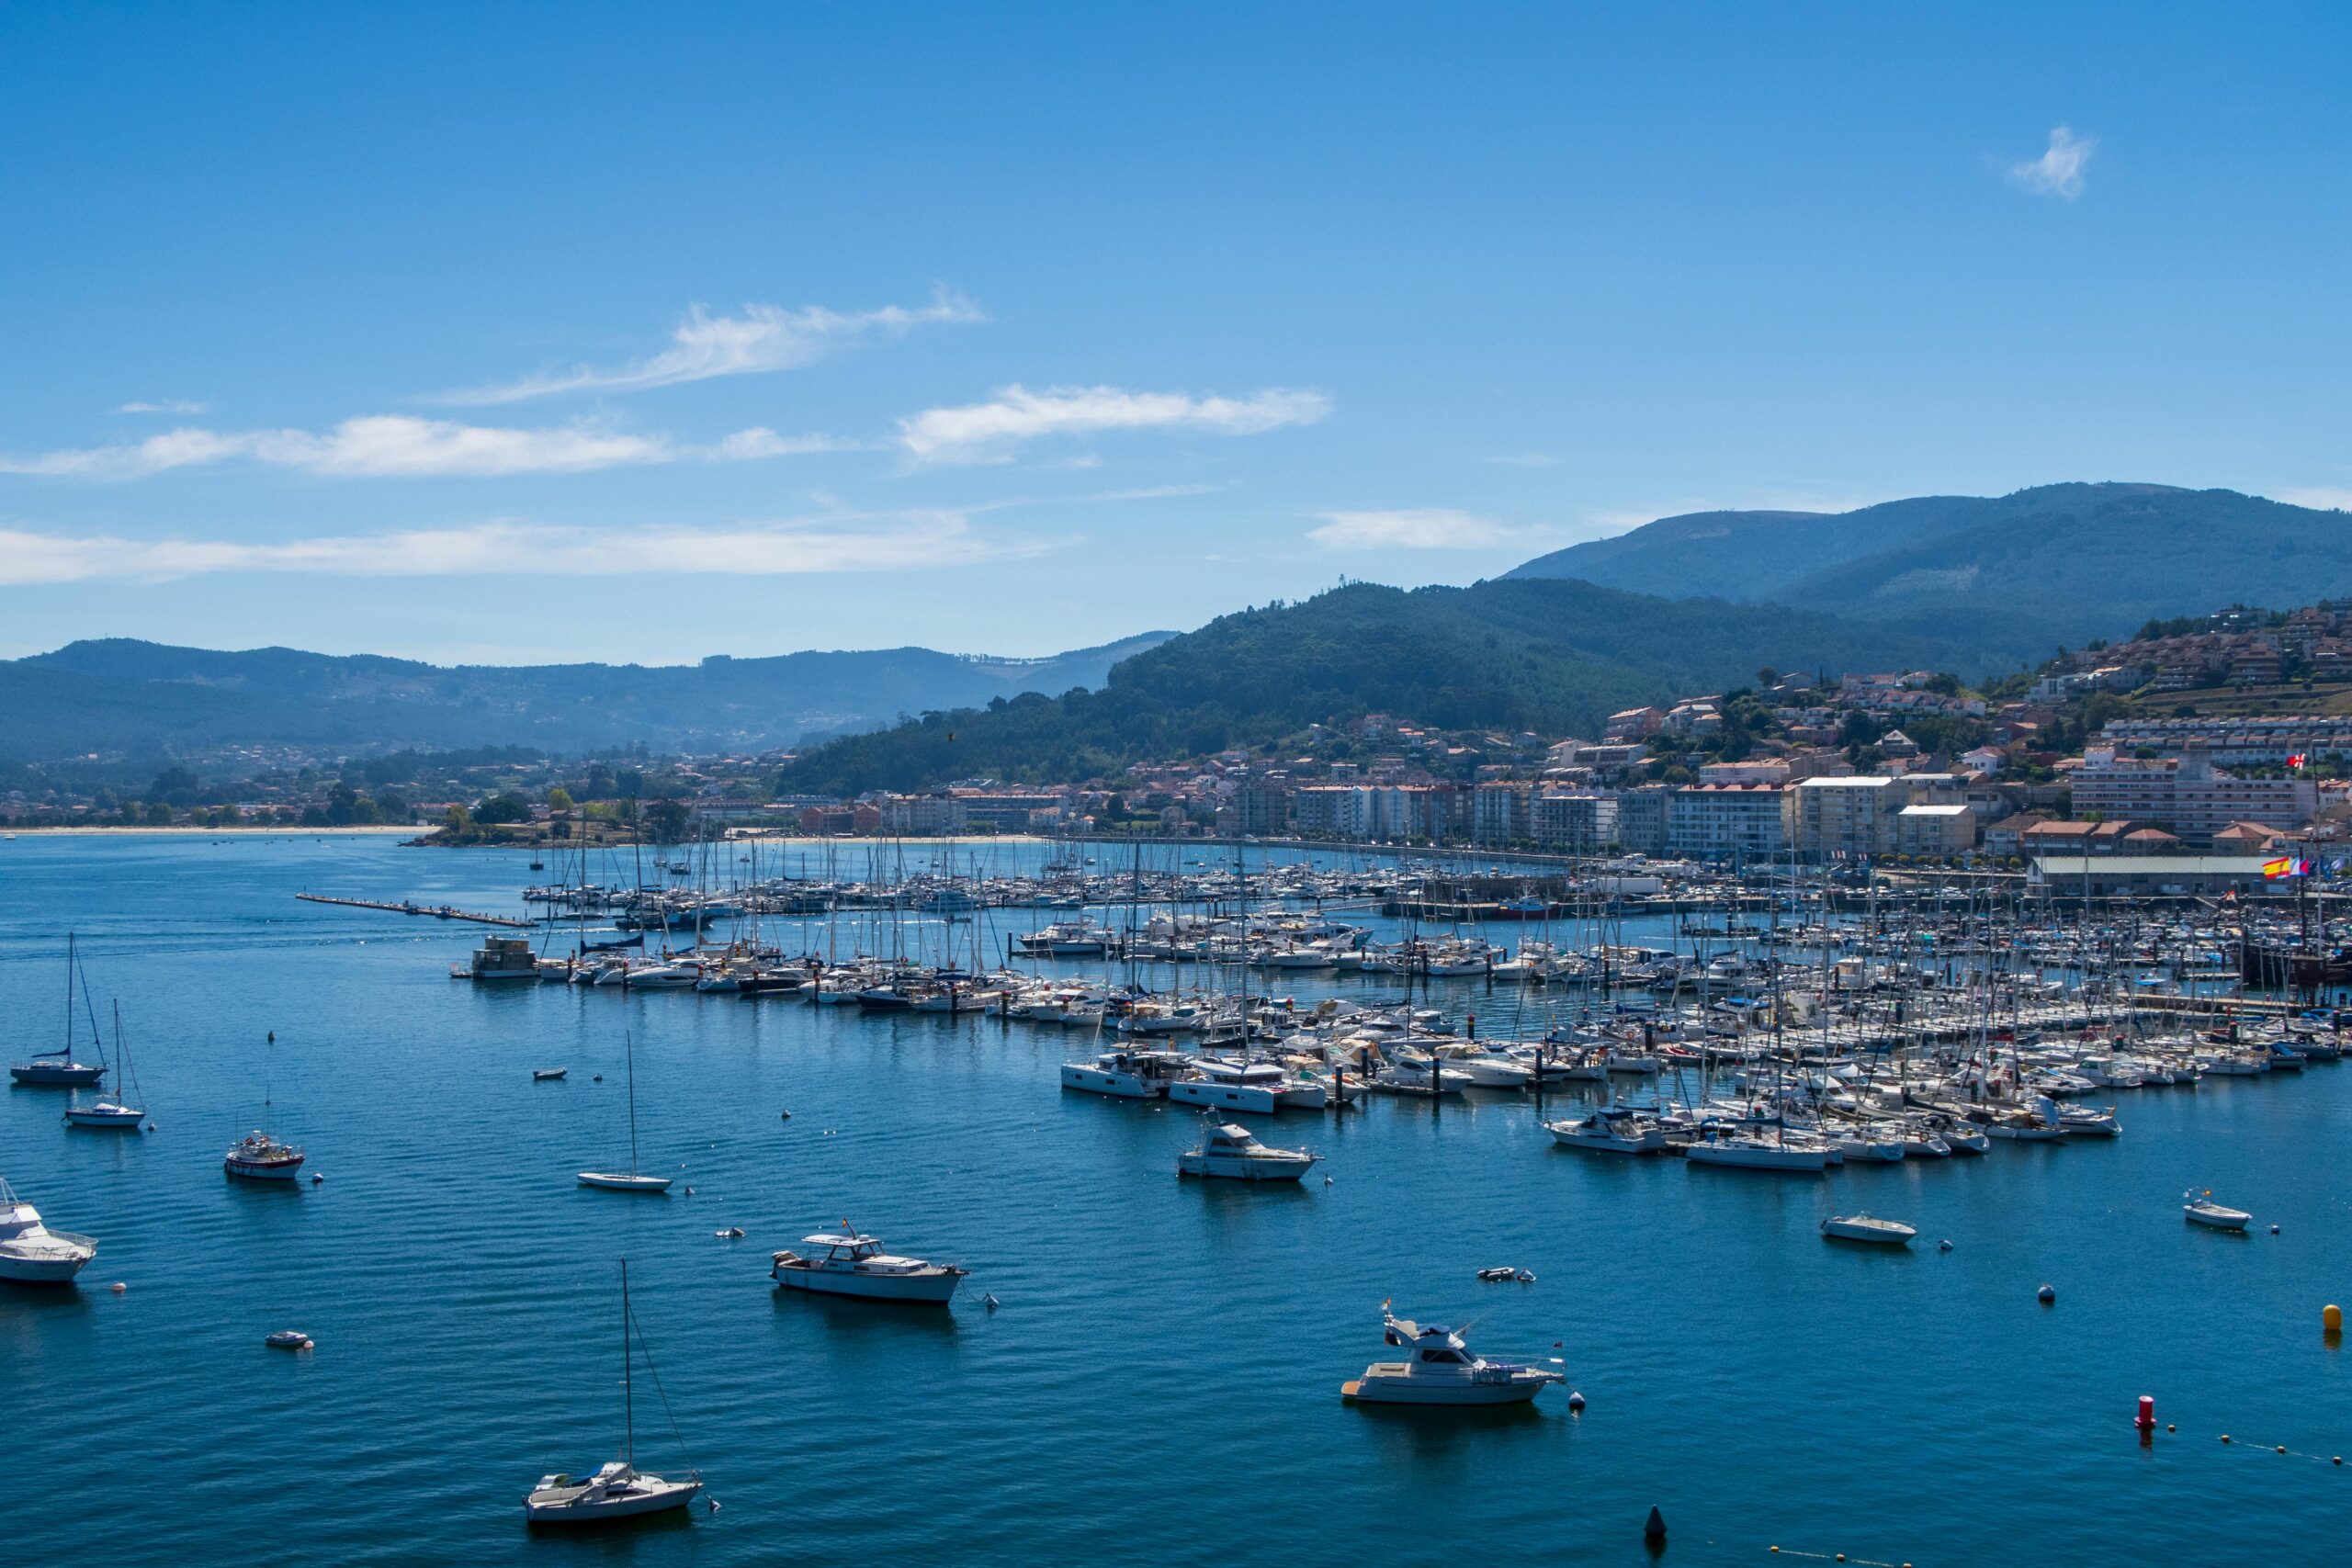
column 980, row 433
column 840, row 542
column 400, row 445
column 164, row 405
column 2059, row 171
column 757, row 339
column 1421, row 528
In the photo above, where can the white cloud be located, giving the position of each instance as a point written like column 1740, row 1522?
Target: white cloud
column 164, row 405
column 763, row 338
column 1422, row 528
column 832, row 543
column 978, row 433
column 2059, row 171
column 398, row 445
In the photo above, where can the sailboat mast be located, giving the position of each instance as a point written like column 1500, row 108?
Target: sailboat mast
column 628, row 1053
column 628, row 1394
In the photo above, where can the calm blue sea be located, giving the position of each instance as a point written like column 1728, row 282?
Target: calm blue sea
column 1160, row 1385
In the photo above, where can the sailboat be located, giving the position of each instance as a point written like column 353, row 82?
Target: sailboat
column 619, row 1490
column 632, row 1181
column 111, row 1113
column 58, row 1068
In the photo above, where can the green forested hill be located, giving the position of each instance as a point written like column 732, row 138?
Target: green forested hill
column 1551, row 656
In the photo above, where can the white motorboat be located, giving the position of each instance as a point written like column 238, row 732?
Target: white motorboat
column 1612, row 1129
column 1868, row 1228
column 1234, row 1153
column 619, row 1490
column 258, row 1156
column 1125, row 1074
column 2089, row 1121
column 1438, row 1368
column 32, row 1254
column 1748, row 1151
column 631, row 1179
column 1252, row 1086
column 855, row 1265
column 2203, row 1210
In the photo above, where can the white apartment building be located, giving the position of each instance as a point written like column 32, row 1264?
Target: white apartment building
column 1721, row 822
column 2185, row 795
column 1836, row 818
column 1578, row 821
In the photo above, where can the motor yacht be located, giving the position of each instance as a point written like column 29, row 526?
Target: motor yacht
column 1438, row 1368
column 1612, row 1129
column 1234, row 1153
column 855, row 1265
column 261, row 1158
column 1252, row 1086
column 1868, row 1228
column 1125, row 1074
column 32, row 1254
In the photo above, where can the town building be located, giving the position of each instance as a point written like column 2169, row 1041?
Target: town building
column 2186, row 794
column 1577, row 822
column 1726, row 821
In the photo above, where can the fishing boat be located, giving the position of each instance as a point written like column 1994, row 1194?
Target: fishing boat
column 619, row 1490
column 1438, row 1368
column 855, row 1265
column 2200, row 1209
column 110, row 1113
column 60, row 1068
column 32, row 1254
column 1234, row 1153
column 261, row 1158
column 1867, row 1229
column 632, row 1179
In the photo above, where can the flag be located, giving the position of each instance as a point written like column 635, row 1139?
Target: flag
column 2277, row 868
column 2296, row 761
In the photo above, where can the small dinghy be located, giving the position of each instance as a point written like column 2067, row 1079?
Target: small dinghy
column 1866, row 1227
column 2203, row 1210
column 1505, row 1273
column 288, row 1339
column 547, row 1075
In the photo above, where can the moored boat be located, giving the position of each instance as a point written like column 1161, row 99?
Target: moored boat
column 855, row 1265
column 1440, row 1369
column 32, row 1254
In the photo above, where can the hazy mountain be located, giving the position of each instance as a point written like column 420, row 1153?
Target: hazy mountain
column 124, row 695
column 1555, row 657
column 2074, row 561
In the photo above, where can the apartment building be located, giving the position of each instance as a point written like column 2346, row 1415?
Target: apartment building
column 1726, row 821
column 2186, row 794
column 1575, row 821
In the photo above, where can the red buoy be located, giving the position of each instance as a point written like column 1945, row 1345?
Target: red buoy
column 2147, row 1421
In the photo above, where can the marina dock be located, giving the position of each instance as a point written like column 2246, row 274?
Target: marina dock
column 435, row 911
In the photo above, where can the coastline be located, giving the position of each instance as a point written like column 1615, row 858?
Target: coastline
column 289, row 829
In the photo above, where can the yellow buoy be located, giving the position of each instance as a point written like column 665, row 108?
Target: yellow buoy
column 2330, row 1317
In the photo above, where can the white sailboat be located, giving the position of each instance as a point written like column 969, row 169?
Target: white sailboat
column 115, row 1112
column 619, row 1490
column 632, row 1181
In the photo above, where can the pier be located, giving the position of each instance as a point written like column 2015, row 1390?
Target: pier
column 435, row 911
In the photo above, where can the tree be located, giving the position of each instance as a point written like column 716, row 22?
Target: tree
column 456, row 821
column 559, row 799
column 666, row 820
column 503, row 808
column 1766, row 678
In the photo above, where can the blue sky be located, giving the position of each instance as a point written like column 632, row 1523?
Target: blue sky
column 513, row 334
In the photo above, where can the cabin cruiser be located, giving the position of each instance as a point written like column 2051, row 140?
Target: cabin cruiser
column 855, row 1265
column 1438, row 1368
column 1066, row 939
column 32, row 1254
column 259, row 1156
column 2203, row 1210
column 1420, row 1075
column 1488, row 1069
column 1612, row 1129
column 1230, row 1151
column 1125, row 1074
column 499, row 958
column 2089, row 1121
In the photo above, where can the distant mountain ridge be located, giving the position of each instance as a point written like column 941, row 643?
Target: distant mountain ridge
column 2075, row 560
column 122, row 695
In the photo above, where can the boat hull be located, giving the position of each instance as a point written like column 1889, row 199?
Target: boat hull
column 117, row 1119
column 1236, row 1167
column 63, row 1075
column 1224, row 1096
column 263, row 1170
column 622, row 1181
column 1119, row 1085
column 933, row 1287
column 646, row 1500
column 1403, row 1388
